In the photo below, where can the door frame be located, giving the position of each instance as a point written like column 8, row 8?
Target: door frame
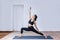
column 13, row 14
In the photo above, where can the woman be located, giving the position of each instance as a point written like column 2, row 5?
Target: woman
column 32, row 22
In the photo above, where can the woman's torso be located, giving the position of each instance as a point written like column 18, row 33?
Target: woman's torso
column 30, row 23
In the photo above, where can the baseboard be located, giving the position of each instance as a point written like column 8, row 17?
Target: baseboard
column 6, row 31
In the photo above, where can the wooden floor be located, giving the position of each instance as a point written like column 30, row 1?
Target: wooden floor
column 54, row 34
column 4, row 33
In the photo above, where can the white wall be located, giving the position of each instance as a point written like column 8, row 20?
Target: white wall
column 6, row 11
column 5, row 22
column 48, row 12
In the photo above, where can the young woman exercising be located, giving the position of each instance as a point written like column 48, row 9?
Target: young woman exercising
column 32, row 22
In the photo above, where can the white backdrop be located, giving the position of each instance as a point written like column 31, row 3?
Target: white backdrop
column 48, row 12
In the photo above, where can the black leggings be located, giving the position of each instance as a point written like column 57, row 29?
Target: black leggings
column 31, row 29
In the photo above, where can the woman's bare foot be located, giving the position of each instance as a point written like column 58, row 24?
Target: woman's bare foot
column 21, row 35
column 45, row 35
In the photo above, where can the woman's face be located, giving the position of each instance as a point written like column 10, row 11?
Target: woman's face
column 33, row 17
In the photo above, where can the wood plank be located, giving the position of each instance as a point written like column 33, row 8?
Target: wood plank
column 4, row 33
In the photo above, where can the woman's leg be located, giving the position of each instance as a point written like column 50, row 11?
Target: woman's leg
column 26, row 29
column 37, row 31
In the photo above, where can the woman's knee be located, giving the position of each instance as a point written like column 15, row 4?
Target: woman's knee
column 21, row 28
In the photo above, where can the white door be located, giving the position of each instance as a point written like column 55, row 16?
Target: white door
column 18, row 17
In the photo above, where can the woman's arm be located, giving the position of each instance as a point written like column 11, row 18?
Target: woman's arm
column 36, row 26
column 30, row 13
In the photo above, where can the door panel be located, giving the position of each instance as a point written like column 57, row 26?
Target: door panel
column 18, row 17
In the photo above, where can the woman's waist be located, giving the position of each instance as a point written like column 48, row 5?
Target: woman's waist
column 29, row 25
